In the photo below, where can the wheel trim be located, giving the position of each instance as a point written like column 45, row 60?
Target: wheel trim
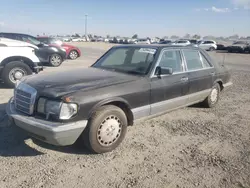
column 214, row 95
column 73, row 54
column 55, row 60
column 109, row 130
column 16, row 74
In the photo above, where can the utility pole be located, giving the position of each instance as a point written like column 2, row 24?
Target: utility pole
column 86, row 18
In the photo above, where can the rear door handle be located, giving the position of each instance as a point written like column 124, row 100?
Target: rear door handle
column 184, row 79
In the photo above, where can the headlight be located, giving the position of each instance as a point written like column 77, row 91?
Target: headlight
column 57, row 109
column 63, row 49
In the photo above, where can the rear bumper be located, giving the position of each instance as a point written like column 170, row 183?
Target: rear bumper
column 60, row 134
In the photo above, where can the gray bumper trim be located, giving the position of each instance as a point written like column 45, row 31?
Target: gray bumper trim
column 46, row 131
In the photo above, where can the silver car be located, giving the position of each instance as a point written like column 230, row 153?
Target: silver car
column 207, row 45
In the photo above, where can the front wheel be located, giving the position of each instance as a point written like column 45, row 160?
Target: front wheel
column 106, row 129
column 55, row 60
column 211, row 49
column 213, row 97
column 14, row 71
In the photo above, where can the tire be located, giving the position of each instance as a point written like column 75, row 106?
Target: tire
column 213, row 97
column 73, row 54
column 211, row 49
column 96, row 139
column 12, row 72
column 55, row 60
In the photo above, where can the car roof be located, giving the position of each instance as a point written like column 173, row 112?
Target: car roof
column 159, row 46
column 43, row 37
column 16, row 34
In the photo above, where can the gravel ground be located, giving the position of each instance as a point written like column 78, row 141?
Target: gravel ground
column 190, row 147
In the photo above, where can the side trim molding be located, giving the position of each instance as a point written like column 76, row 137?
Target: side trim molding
column 169, row 105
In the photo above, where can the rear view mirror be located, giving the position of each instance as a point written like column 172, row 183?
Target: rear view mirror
column 163, row 71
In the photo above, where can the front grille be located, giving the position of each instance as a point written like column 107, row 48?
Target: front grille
column 25, row 97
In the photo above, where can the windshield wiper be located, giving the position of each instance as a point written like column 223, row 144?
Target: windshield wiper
column 134, row 72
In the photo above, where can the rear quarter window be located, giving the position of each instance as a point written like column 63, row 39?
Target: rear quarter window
column 205, row 61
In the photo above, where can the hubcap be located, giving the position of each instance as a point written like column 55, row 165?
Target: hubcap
column 109, row 131
column 214, row 95
column 55, row 60
column 73, row 55
column 16, row 74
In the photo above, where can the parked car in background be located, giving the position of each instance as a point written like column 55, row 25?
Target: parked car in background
column 78, row 39
column 17, row 59
column 72, row 52
column 142, row 41
column 182, row 43
column 207, row 45
column 128, row 82
column 47, row 54
column 222, row 45
column 193, row 41
column 239, row 46
column 66, row 39
column 165, row 42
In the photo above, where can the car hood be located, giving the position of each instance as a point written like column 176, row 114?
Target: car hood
column 59, row 84
column 238, row 45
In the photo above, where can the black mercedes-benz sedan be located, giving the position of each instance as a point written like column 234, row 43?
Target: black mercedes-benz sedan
column 95, row 105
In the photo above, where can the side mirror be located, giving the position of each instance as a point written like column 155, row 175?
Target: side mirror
column 163, row 71
column 40, row 45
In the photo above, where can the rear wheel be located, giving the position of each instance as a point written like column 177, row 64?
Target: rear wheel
column 73, row 54
column 213, row 97
column 14, row 71
column 106, row 129
column 55, row 60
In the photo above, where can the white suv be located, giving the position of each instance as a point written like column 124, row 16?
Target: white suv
column 207, row 45
column 17, row 59
column 182, row 43
column 143, row 41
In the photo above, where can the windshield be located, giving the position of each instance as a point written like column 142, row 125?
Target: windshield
column 131, row 60
column 31, row 40
column 54, row 40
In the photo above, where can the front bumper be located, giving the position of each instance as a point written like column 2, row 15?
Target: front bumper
column 60, row 134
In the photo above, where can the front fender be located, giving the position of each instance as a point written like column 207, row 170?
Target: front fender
column 107, row 101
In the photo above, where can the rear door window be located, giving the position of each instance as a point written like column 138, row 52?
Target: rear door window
column 193, row 60
column 171, row 59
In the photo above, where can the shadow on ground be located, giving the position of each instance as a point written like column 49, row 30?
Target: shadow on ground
column 11, row 138
column 12, row 141
column 77, row 148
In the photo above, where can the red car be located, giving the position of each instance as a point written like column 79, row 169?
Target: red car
column 72, row 52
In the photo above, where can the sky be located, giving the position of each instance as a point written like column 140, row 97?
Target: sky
column 127, row 17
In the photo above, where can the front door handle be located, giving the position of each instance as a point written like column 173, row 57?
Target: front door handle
column 184, row 79
column 212, row 73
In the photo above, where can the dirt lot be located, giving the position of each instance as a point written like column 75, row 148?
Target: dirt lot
column 191, row 147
